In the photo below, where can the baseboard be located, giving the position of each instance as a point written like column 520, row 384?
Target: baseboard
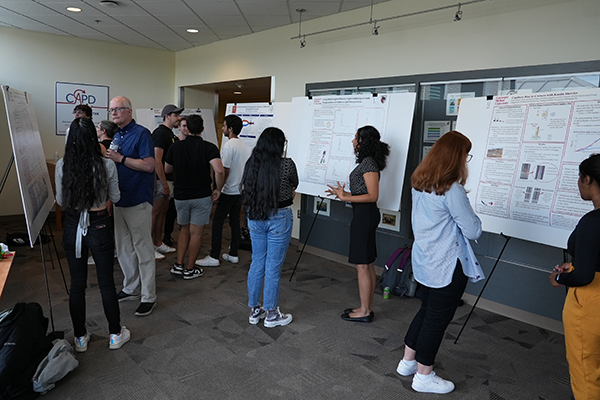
column 516, row 314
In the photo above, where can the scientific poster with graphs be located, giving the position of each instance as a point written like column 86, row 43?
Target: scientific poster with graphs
column 255, row 118
column 526, row 154
column 321, row 134
column 32, row 173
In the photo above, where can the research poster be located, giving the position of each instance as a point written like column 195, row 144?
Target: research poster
column 526, row 154
column 32, row 173
column 321, row 134
column 255, row 118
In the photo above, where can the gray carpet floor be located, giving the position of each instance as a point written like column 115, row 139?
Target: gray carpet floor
column 198, row 344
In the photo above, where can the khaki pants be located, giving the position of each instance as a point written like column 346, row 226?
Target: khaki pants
column 581, row 318
column 135, row 250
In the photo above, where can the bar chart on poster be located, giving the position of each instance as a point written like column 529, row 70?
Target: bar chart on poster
column 34, row 182
column 321, row 131
column 526, row 155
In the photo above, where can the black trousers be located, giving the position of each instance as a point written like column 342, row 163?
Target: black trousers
column 228, row 204
column 100, row 240
column 438, row 306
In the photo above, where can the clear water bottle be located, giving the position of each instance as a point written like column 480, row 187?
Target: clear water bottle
column 115, row 144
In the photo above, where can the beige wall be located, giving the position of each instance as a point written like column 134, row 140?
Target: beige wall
column 492, row 34
column 34, row 62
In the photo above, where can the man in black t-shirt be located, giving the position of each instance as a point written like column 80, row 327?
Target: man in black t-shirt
column 163, row 138
column 190, row 161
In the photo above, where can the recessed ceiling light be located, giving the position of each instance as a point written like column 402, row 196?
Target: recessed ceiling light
column 73, row 9
column 237, row 92
column 192, row 30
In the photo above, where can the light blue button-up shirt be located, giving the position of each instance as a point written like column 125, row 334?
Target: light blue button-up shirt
column 442, row 226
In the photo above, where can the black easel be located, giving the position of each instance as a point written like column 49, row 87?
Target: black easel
column 486, row 282
column 47, row 228
column 307, row 236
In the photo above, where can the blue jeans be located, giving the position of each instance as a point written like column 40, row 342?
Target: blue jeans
column 270, row 241
column 100, row 241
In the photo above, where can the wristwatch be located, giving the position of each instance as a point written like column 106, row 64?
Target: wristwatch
column 123, row 160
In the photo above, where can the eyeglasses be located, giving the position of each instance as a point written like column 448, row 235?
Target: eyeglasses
column 469, row 157
column 118, row 109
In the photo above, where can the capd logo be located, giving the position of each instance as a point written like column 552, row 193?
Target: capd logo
column 79, row 96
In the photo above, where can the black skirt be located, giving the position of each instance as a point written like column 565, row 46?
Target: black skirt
column 363, row 228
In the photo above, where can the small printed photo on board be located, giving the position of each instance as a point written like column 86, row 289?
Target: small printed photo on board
column 323, row 205
column 390, row 220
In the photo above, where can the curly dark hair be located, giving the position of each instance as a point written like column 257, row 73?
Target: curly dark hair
column 260, row 181
column 84, row 175
column 369, row 144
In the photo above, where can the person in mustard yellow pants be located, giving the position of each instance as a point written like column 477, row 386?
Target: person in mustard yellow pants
column 581, row 315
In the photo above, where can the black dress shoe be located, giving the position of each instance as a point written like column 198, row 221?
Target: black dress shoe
column 367, row 318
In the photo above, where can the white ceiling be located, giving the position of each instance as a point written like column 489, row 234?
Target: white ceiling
column 162, row 24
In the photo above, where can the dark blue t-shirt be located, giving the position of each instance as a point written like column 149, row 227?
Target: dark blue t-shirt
column 136, row 187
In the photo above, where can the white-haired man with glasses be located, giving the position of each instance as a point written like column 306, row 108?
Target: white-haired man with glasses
column 132, row 150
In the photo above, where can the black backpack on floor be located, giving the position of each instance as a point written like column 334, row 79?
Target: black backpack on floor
column 399, row 280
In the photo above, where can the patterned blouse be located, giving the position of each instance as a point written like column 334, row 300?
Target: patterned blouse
column 288, row 182
column 357, row 180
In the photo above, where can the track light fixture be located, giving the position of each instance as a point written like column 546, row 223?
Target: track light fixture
column 375, row 30
column 376, row 27
column 459, row 14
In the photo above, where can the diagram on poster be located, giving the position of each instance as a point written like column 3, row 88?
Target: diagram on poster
column 524, row 172
column 321, row 134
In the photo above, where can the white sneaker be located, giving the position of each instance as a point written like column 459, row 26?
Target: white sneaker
column 208, row 261
column 406, row 368
column 231, row 259
column 81, row 343
column 159, row 256
column 163, row 248
column 277, row 318
column 118, row 340
column 433, row 384
column 91, row 260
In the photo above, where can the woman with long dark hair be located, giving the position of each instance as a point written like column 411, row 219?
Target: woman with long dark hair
column 85, row 181
column 442, row 258
column 268, row 189
column 371, row 156
column 581, row 318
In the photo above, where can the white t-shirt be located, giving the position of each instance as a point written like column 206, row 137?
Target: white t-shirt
column 234, row 155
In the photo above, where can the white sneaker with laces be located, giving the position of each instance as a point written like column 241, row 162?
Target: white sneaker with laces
column 163, row 248
column 256, row 314
column 406, row 368
column 159, row 256
column 118, row 340
column 231, row 259
column 277, row 318
column 207, row 261
column 81, row 343
column 433, row 384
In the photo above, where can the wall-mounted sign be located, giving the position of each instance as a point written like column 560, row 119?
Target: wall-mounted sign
column 68, row 95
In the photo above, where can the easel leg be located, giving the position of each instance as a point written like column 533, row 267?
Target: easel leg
column 51, row 235
column 483, row 288
column 46, row 279
column 306, row 240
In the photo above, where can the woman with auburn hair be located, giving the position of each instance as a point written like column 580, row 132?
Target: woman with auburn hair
column 442, row 259
column 371, row 156
column 85, row 181
column 581, row 318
